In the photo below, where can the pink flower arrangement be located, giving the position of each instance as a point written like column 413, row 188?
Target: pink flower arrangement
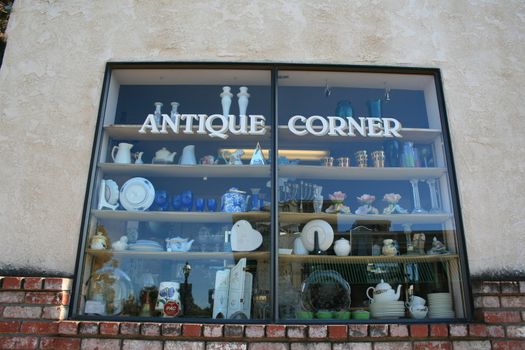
column 337, row 196
column 392, row 197
column 366, row 198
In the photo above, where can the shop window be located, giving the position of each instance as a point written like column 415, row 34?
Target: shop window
column 190, row 215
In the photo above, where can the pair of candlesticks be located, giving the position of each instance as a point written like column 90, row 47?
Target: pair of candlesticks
column 361, row 158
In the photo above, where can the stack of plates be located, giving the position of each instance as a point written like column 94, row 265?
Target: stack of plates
column 388, row 309
column 440, row 305
column 145, row 246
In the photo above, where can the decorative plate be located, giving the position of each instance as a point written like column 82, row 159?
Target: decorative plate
column 111, row 193
column 244, row 238
column 137, row 194
column 324, row 231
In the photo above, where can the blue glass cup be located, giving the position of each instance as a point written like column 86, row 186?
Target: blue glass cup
column 176, row 202
column 187, row 200
column 211, row 204
column 161, row 200
column 374, row 108
column 199, row 204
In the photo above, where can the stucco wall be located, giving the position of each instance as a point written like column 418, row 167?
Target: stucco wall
column 51, row 80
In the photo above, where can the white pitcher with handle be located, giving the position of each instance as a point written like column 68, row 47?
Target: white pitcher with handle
column 123, row 153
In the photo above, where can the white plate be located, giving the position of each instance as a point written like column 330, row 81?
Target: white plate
column 145, row 248
column 325, row 233
column 111, row 193
column 137, row 194
column 244, row 238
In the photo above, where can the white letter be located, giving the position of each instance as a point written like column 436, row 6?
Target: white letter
column 202, row 120
column 334, row 129
column 150, row 119
column 255, row 122
column 242, row 125
column 189, row 122
column 392, row 131
column 375, row 129
column 352, row 124
column 166, row 120
column 309, row 125
column 291, row 125
column 217, row 133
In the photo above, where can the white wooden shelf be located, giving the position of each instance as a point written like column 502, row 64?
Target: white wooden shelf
column 179, row 216
column 301, row 218
column 163, row 255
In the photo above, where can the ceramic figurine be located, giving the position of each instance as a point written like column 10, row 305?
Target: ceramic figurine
column 121, row 244
column 235, row 157
column 123, row 155
column 243, row 97
column 234, row 201
column 437, row 248
column 163, row 156
column 226, row 100
column 318, row 199
column 337, row 206
column 389, row 249
column 158, row 114
column 100, row 240
column 393, row 207
column 257, row 157
column 383, row 292
column 366, row 207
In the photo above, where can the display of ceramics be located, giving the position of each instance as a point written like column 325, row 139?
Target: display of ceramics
column 440, row 305
column 389, row 249
column 393, row 207
column 199, row 204
column 121, row 244
column 163, row 156
column 337, row 206
column 324, row 231
column 234, row 201
column 387, row 309
column 383, row 292
column 342, row 247
column 123, row 155
column 244, row 238
column 137, row 194
column 437, row 248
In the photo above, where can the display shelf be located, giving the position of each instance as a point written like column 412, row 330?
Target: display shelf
column 367, row 259
column 174, row 170
column 355, row 173
column 301, row 218
column 418, row 135
column 262, row 255
column 189, row 217
column 131, row 132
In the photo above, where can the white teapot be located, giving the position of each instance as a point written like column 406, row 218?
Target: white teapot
column 383, row 292
column 178, row 244
column 163, row 156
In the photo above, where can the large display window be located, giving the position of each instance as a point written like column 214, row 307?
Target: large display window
column 267, row 193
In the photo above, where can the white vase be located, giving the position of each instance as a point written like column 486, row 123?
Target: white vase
column 158, row 113
column 188, row 156
column 174, row 111
column 298, row 247
column 243, row 96
column 226, row 100
column 342, row 247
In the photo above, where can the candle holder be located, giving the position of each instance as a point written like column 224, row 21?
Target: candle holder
column 361, row 158
column 417, row 201
column 433, row 196
column 378, row 158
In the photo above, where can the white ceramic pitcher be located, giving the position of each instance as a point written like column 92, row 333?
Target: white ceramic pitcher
column 188, row 156
column 123, row 154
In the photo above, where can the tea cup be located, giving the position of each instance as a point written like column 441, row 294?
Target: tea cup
column 414, row 300
column 418, row 311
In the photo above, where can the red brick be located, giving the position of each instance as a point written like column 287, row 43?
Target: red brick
column 54, row 312
column 68, row 327
column 317, row 331
column 378, row 330
column 9, row 326
column 254, row 331
column 108, row 328
column 212, row 330
column 477, row 330
column 233, row 330
column 513, row 301
column 496, row 331
column 18, row 342
column 508, row 345
column 88, row 328
column 150, row 329
column 100, row 344
column 60, row 343
column 439, row 330
column 43, row 298
column 33, row 282
column 130, row 328
column 419, row 330
column 392, row 346
column 337, row 332
column 357, row 330
column 39, row 327
column 296, row 331
column 275, row 331
column 7, row 297
column 501, row 316
column 12, row 282
column 432, row 345
column 57, row 284
column 516, row 331
column 398, row 330
column 458, row 330
column 22, row 312
column 191, row 330
column 171, row 329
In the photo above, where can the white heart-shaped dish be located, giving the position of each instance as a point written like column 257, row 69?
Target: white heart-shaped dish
column 244, row 238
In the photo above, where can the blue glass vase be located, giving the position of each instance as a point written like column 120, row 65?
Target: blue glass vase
column 344, row 109
column 199, row 204
column 211, row 203
column 176, row 202
column 162, row 200
column 187, row 200
column 374, row 108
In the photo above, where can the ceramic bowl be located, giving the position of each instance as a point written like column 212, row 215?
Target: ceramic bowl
column 342, row 315
column 323, row 314
column 305, row 315
column 360, row 315
column 418, row 314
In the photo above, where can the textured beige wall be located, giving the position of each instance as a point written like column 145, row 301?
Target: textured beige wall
column 51, row 80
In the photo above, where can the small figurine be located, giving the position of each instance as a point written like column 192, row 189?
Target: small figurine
column 100, row 240
column 257, row 157
column 366, row 208
column 393, row 207
column 121, row 244
column 337, row 206
column 437, row 248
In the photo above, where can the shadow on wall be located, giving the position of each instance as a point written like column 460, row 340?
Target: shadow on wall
column 5, row 10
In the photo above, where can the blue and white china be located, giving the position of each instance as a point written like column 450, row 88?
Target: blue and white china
column 211, row 204
column 199, row 204
column 163, row 156
column 187, row 200
column 234, row 201
column 162, row 200
column 178, row 244
column 137, row 194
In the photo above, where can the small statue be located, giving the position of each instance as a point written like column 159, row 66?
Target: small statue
column 437, row 248
column 366, row 207
column 100, row 240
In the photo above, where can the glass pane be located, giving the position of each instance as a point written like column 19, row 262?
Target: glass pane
column 365, row 208
column 179, row 224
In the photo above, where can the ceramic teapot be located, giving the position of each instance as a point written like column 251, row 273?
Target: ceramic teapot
column 342, row 247
column 178, row 244
column 383, row 292
column 164, row 156
column 234, row 201
column 123, row 155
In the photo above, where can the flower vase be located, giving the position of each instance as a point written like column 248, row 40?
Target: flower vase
column 158, row 114
column 174, row 112
column 226, row 100
column 243, row 97
column 255, row 199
